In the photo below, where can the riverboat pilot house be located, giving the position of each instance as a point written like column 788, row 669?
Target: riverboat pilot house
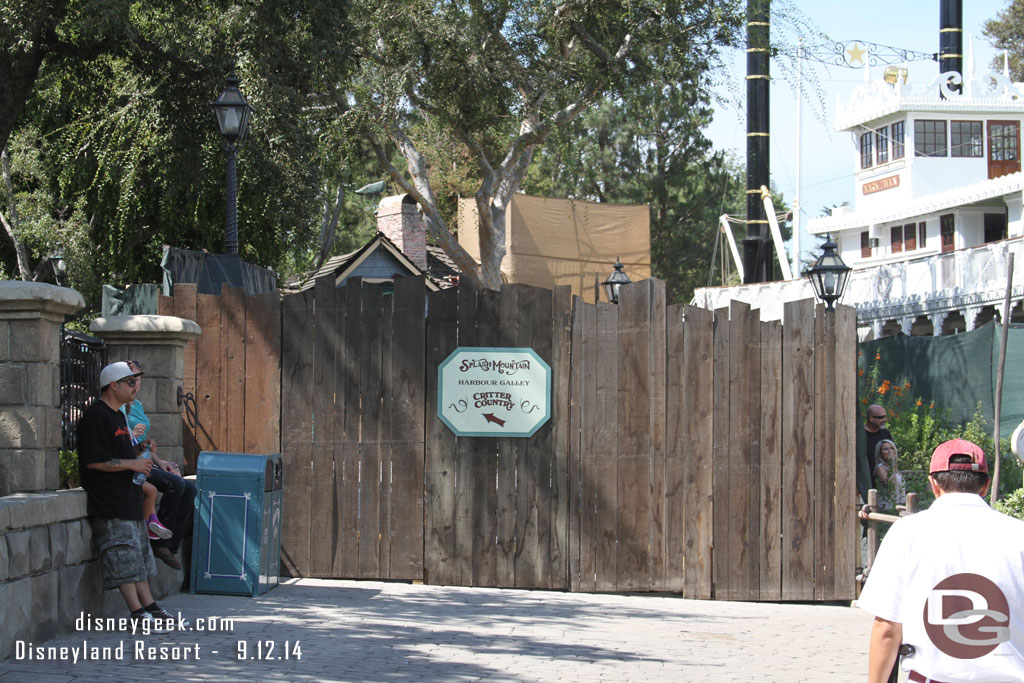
column 937, row 209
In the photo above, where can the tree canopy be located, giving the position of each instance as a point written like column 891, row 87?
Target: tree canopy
column 110, row 150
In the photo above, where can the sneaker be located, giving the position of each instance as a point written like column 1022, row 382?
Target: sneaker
column 153, row 537
column 144, row 623
column 155, row 527
column 166, row 618
column 164, row 554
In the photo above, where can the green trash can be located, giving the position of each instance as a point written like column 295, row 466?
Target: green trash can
column 236, row 538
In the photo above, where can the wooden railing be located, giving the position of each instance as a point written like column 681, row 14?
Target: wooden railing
column 869, row 513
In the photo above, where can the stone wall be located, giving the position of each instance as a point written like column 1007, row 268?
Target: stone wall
column 49, row 572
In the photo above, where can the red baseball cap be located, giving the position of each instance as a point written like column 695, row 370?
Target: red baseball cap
column 944, row 451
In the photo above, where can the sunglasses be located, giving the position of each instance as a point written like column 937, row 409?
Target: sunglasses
column 130, row 382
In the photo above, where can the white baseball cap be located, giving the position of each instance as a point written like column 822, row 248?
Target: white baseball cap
column 114, row 372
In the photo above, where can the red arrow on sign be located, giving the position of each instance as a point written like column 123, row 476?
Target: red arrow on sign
column 490, row 417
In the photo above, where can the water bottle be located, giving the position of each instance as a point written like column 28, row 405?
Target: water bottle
column 140, row 477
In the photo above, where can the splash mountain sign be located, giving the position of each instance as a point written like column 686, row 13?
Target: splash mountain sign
column 485, row 391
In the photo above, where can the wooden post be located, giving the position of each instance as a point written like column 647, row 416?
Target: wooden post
column 872, row 529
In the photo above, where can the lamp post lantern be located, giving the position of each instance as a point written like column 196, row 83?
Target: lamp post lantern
column 231, row 112
column 829, row 275
column 615, row 282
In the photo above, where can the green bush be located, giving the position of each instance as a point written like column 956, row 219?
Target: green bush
column 69, row 470
column 1012, row 505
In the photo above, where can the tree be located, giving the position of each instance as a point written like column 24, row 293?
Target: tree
column 114, row 122
column 1006, row 32
column 509, row 75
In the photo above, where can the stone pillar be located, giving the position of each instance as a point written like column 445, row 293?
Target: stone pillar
column 157, row 342
column 31, row 314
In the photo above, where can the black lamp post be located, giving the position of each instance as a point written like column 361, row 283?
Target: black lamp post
column 829, row 275
column 615, row 282
column 232, row 116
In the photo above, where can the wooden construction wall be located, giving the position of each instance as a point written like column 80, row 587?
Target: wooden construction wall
column 701, row 452
column 233, row 370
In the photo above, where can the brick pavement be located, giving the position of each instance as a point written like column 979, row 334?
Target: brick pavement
column 374, row 631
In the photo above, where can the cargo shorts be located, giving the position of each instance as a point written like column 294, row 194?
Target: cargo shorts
column 123, row 547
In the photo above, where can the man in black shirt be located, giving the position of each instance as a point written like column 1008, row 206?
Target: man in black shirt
column 874, row 431
column 107, row 463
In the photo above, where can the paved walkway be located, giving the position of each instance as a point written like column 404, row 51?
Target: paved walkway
column 373, row 631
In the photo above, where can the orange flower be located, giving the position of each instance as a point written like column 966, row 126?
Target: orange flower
column 906, row 385
column 892, row 413
column 932, row 406
column 918, row 404
column 878, row 355
column 882, row 389
column 864, row 401
column 860, row 373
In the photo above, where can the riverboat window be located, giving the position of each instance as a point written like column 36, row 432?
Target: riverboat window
column 930, row 138
column 922, row 234
column 896, row 239
column 882, row 144
column 897, row 140
column 865, row 245
column 946, row 224
column 910, row 237
column 966, row 139
column 995, row 227
column 865, row 150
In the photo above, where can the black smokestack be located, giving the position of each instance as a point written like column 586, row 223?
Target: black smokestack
column 951, row 37
column 756, row 251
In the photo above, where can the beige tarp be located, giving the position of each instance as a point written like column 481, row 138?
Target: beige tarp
column 566, row 242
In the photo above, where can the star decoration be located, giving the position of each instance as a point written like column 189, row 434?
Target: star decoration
column 855, row 54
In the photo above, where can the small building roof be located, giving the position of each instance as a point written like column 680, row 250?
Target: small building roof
column 343, row 265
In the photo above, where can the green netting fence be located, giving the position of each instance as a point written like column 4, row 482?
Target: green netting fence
column 958, row 372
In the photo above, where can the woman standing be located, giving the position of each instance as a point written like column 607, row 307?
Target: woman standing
column 892, row 491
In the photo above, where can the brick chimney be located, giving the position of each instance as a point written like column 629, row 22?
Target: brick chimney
column 399, row 219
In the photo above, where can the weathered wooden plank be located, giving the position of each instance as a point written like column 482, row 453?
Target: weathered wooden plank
column 483, row 454
column 721, row 493
column 752, row 537
column 507, row 456
column 560, row 418
column 533, row 492
column 676, row 450
column 406, row 530
column 345, row 356
column 369, row 452
column 738, row 471
column 698, row 450
column 439, row 460
column 232, row 385
column 657, row 383
column 824, row 455
column 263, row 373
column 386, row 437
column 297, row 383
column 185, row 307
column 407, row 398
column 465, row 454
column 209, row 364
column 634, row 439
column 347, row 453
column 847, row 532
column 771, row 461
column 576, row 504
column 603, row 474
column 798, row 447
column 322, row 501
column 164, row 305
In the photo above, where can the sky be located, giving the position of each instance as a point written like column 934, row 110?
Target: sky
column 827, row 157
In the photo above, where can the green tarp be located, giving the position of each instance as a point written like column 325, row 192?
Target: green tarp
column 957, row 371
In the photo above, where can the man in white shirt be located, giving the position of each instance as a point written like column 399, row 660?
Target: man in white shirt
column 949, row 582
